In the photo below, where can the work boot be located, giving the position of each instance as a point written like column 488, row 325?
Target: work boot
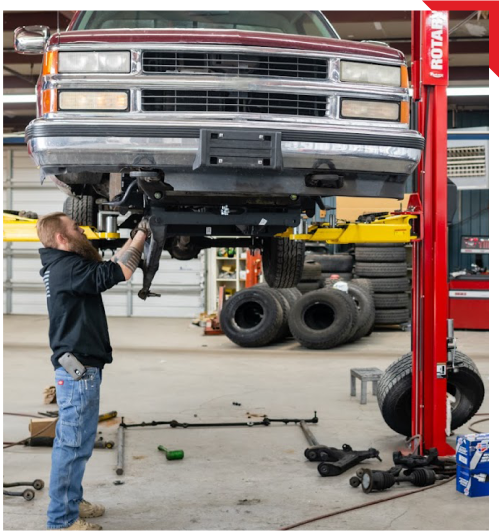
column 91, row 510
column 82, row 524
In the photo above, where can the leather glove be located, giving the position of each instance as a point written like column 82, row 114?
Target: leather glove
column 143, row 226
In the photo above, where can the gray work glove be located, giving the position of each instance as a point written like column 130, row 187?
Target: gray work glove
column 143, row 226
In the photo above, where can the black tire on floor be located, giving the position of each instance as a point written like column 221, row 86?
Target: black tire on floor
column 323, row 319
column 252, row 318
column 383, row 254
column 391, row 300
column 337, row 263
column 286, row 301
column 395, row 393
column 401, row 315
column 291, row 295
column 377, row 270
column 311, row 270
column 82, row 209
column 389, row 285
column 365, row 310
column 282, row 262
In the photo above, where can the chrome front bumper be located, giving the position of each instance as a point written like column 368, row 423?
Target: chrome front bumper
column 59, row 147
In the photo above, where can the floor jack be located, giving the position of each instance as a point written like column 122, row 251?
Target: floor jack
column 27, row 494
column 334, row 461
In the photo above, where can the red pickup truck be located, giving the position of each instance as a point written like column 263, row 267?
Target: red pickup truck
column 217, row 124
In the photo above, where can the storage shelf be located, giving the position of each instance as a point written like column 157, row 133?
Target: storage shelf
column 226, row 279
column 226, row 258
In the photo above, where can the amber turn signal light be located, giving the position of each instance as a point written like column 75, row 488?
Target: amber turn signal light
column 50, row 60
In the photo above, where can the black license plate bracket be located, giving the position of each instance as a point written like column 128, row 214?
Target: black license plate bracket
column 256, row 150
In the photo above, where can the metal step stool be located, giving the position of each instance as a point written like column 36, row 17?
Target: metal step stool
column 371, row 374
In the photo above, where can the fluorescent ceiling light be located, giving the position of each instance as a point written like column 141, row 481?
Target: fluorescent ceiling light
column 19, row 98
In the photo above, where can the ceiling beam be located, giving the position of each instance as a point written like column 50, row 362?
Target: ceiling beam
column 455, row 47
column 14, row 82
column 12, row 20
column 13, row 58
column 339, row 17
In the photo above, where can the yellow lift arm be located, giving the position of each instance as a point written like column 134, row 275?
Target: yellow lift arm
column 387, row 229
column 20, row 229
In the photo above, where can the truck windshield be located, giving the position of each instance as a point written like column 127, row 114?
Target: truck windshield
column 309, row 23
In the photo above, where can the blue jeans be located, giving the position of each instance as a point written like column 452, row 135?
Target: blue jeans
column 76, row 428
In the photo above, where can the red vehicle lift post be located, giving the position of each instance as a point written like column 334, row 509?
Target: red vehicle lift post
column 430, row 67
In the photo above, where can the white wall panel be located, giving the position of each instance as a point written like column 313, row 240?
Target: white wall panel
column 178, row 282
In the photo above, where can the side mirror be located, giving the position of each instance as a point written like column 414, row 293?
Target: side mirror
column 30, row 40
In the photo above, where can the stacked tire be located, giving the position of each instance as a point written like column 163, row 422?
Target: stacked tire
column 385, row 265
column 258, row 316
column 340, row 264
column 311, row 277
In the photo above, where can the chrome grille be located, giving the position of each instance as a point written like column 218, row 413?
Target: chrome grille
column 233, row 102
column 233, row 64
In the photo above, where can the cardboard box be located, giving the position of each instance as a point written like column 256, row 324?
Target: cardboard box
column 471, row 483
column 472, row 452
column 37, row 425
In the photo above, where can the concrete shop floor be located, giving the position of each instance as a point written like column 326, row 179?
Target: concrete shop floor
column 230, row 478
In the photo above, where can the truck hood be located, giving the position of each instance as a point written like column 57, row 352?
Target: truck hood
column 229, row 37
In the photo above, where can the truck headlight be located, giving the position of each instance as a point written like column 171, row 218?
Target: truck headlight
column 370, row 74
column 88, row 62
column 370, row 110
column 75, row 100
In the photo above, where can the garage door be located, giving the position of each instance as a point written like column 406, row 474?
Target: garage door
column 179, row 283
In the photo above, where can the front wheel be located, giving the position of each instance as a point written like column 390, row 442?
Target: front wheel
column 81, row 209
column 283, row 262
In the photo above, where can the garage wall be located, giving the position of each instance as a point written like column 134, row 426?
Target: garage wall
column 181, row 284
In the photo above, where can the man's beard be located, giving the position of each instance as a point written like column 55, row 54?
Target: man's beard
column 84, row 248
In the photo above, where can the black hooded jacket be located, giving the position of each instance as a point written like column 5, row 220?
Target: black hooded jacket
column 77, row 317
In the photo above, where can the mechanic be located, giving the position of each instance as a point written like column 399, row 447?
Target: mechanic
column 75, row 276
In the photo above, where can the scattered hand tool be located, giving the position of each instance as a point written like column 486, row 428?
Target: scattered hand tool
column 265, row 422
column 120, row 468
column 27, row 494
column 333, row 460
column 108, row 416
column 49, row 441
column 171, row 455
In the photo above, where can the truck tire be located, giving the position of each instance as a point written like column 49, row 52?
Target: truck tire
column 323, row 319
column 366, row 283
column 286, row 301
column 365, row 310
column 395, row 393
column 389, row 285
column 379, row 270
column 401, row 315
column 252, row 318
column 383, row 254
column 82, row 209
column 282, row 262
column 311, row 270
column 391, row 300
column 334, row 263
